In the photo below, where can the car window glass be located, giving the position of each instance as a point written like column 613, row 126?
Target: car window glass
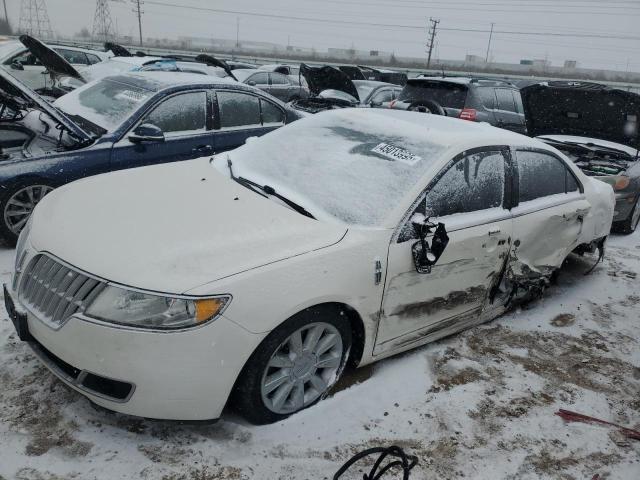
column 26, row 58
column 278, row 79
column 260, row 78
column 475, row 182
column 518, row 98
column 382, row 97
column 487, row 97
column 180, row 113
column 93, row 58
column 238, row 109
column 505, row 100
column 572, row 183
column 73, row 57
column 270, row 113
column 540, row 175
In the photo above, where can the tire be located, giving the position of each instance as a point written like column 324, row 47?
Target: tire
column 427, row 106
column 629, row 225
column 277, row 382
column 16, row 204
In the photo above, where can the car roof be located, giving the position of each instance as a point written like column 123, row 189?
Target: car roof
column 374, row 83
column 479, row 81
column 157, row 81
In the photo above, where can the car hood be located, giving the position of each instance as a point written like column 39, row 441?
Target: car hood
column 327, row 78
column 15, row 93
column 54, row 62
column 582, row 109
column 171, row 228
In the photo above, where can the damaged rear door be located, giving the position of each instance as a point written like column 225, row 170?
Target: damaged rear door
column 471, row 198
column 547, row 220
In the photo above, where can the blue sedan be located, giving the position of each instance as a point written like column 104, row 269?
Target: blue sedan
column 119, row 122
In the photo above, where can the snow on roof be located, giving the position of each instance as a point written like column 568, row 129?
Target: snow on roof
column 158, row 80
column 458, row 80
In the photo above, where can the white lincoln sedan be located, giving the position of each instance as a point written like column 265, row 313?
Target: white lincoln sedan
column 253, row 278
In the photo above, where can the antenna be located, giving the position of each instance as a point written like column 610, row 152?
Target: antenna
column 34, row 19
column 102, row 21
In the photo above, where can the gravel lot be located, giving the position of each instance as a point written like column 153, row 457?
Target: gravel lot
column 477, row 405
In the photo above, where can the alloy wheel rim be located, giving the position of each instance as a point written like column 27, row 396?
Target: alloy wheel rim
column 302, row 368
column 21, row 204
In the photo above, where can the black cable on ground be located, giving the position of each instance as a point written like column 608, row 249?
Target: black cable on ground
column 404, row 462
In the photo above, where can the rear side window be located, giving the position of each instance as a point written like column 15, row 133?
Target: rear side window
column 383, row 96
column 270, row 113
column 450, row 95
column 475, row 182
column 238, row 109
column 487, row 97
column 541, row 175
column 181, row 113
column 259, row 78
column 505, row 100
column 73, row 57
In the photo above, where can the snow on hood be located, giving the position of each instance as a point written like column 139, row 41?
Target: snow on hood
column 170, row 228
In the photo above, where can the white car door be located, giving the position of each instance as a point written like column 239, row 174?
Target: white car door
column 548, row 219
column 471, row 198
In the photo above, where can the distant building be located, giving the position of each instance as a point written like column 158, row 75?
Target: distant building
column 526, row 62
column 571, row 64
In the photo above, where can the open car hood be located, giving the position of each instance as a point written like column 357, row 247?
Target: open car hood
column 17, row 95
column 582, row 109
column 327, row 78
column 54, row 63
column 215, row 62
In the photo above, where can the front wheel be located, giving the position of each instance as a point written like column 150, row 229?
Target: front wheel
column 17, row 204
column 295, row 366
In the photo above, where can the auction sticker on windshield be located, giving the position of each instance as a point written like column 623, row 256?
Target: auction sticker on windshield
column 396, row 153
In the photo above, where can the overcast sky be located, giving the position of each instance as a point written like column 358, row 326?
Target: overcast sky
column 392, row 25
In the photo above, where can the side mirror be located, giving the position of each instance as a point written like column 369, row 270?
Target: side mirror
column 252, row 83
column 375, row 104
column 16, row 65
column 147, row 132
column 425, row 255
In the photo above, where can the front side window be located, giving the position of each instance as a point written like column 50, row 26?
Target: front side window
column 475, row 182
column 238, row 109
column 25, row 58
column 382, row 97
column 93, row 59
column 73, row 57
column 279, row 79
column 260, row 79
column 505, row 100
column 541, row 174
column 181, row 113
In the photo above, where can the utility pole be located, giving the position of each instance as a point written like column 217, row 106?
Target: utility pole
column 102, row 21
column 138, row 11
column 34, row 19
column 237, row 32
column 6, row 15
column 486, row 60
column 432, row 37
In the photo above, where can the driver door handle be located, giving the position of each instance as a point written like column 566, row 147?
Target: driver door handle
column 202, row 149
column 494, row 232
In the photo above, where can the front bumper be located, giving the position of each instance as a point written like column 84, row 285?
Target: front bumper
column 624, row 205
column 183, row 375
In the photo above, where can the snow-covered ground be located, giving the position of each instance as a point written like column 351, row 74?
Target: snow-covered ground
column 478, row 405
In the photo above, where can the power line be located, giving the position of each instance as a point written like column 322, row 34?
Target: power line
column 383, row 25
column 34, row 19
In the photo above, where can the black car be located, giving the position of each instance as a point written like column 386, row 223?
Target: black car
column 497, row 102
column 597, row 127
column 360, row 72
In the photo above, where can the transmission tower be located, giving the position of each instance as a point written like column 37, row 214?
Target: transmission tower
column 34, row 19
column 102, row 21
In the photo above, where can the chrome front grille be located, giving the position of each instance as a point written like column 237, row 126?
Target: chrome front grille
column 54, row 292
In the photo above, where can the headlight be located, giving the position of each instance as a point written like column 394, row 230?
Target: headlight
column 127, row 307
column 622, row 182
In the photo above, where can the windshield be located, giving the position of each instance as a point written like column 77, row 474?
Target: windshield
column 351, row 166
column 445, row 94
column 107, row 103
column 363, row 90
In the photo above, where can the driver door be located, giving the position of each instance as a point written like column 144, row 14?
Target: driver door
column 185, row 121
column 471, row 199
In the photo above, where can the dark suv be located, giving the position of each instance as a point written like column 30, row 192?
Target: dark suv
column 497, row 102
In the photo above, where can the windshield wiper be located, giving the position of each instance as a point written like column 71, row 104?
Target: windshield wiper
column 268, row 190
column 594, row 148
